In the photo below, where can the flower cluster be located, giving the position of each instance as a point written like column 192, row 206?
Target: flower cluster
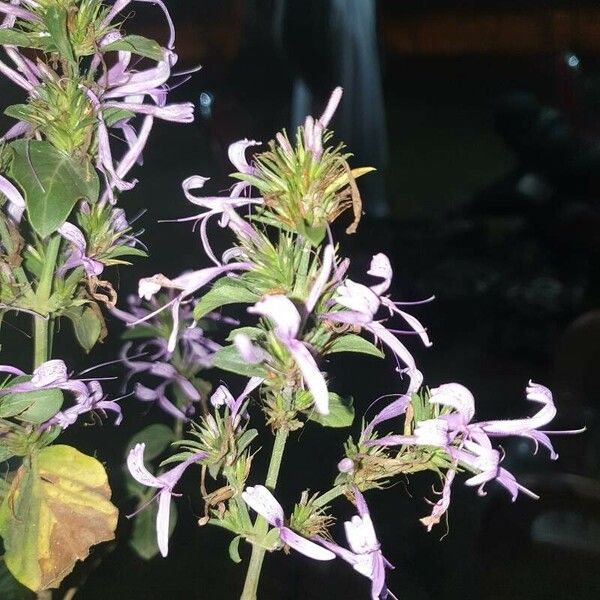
column 286, row 268
column 177, row 369
column 51, row 376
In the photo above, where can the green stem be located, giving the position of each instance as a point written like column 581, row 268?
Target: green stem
column 41, row 328
column 261, row 526
column 327, row 497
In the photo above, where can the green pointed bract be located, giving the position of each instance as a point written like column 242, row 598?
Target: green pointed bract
column 57, row 508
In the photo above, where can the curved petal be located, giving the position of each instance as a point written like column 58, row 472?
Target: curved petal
column 260, row 499
column 162, row 522
column 282, row 312
column 49, row 373
column 381, row 267
column 311, row 374
column 457, row 396
column 135, row 464
column 322, row 278
column 237, row 155
column 304, row 546
column 331, row 107
column 535, row 393
column 361, row 534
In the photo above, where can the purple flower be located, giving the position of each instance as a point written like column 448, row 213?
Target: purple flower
column 16, row 202
column 361, row 304
column 77, row 255
column 286, row 321
column 53, row 375
column 169, row 375
column 222, row 397
column 188, row 284
column 441, row 506
column 365, row 554
column 260, row 499
column 94, row 401
column 224, row 207
column 49, row 375
column 121, row 86
column 313, row 130
column 460, row 398
column 468, row 444
column 165, row 483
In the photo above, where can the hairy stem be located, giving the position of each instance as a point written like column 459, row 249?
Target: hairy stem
column 261, row 526
column 41, row 327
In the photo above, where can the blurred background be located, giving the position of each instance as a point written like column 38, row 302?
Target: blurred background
column 483, row 120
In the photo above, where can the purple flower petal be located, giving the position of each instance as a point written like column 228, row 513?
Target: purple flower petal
column 304, row 546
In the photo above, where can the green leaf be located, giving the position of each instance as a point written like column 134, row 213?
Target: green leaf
column 14, row 37
column 157, row 438
column 245, row 440
column 114, row 115
column 143, row 533
column 314, row 235
column 58, row 507
column 120, row 251
column 227, row 290
column 341, row 412
column 252, row 332
column 229, row 359
column 5, row 454
column 234, row 549
column 32, row 407
column 86, row 324
column 56, row 22
column 354, row 343
column 52, row 183
column 141, row 331
column 137, row 44
column 10, row 588
column 21, row 112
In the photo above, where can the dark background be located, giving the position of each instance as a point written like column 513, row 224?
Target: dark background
column 492, row 114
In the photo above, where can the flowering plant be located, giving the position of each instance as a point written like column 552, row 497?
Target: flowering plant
column 284, row 266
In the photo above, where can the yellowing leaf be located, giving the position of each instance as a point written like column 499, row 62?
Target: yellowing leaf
column 58, row 507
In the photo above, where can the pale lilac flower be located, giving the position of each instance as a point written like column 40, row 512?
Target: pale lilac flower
column 461, row 399
column 165, row 483
column 16, row 202
column 188, row 284
column 121, row 86
column 250, row 352
column 77, row 255
column 224, row 206
column 169, row 376
column 223, row 397
column 286, row 321
column 94, row 401
column 361, row 304
column 365, row 554
column 313, row 130
column 17, row 12
column 260, row 499
column 51, row 374
column 469, row 445
column 441, row 506
column 120, row 5
column 346, row 465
